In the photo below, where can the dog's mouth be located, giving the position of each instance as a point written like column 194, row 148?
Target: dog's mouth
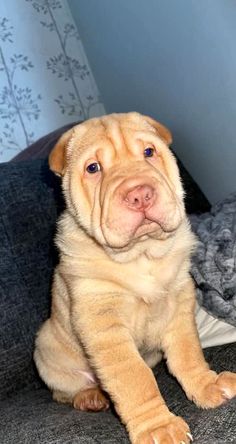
column 147, row 226
column 125, row 236
column 147, row 221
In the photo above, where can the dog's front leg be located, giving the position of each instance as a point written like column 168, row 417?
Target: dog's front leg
column 185, row 358
column 98, row 323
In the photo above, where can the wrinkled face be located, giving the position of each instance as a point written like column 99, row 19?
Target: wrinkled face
column 120, row 179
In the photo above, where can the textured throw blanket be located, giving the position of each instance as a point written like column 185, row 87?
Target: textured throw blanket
column 214, row 263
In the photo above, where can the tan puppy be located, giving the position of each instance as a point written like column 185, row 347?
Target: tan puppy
column 122, row 294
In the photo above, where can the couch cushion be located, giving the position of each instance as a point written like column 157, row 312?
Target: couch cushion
column 28, row 192
column 32, row 417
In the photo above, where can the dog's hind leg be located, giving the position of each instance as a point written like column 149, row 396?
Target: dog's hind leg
column 90, row 400
column 67, row 372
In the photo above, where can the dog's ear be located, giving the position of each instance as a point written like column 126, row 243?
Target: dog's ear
column 57, row 157
column 162, row 131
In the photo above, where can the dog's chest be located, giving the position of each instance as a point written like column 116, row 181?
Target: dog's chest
column 150, row 280
column 148, row 321
column 151, row 306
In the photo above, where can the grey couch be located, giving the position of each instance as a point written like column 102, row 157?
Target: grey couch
column 30, row 201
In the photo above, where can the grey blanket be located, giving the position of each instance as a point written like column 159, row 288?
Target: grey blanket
column 214, row 263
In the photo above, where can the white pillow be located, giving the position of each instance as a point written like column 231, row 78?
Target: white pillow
column 212, row 331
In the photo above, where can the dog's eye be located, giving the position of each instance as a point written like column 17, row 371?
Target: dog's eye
column 93, row 168
column 148, row 152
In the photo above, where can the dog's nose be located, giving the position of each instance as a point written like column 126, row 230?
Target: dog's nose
column 139, row 198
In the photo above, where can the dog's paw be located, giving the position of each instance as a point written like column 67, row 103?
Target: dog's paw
column 226, row 381
column 91, row 400
column 175, row 431
column 217, row 392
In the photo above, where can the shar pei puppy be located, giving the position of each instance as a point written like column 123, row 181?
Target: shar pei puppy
column 122, row 295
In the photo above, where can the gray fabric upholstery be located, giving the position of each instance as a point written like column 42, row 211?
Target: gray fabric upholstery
column 27, row 222
column 32, row 417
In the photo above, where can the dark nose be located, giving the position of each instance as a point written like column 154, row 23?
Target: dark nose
column 140, row 197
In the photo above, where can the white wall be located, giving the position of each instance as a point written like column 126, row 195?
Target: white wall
column 174, row 60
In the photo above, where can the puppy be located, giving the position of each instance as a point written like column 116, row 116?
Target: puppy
column 122, row 295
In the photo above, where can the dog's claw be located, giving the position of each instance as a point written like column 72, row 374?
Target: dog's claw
column 189, row 436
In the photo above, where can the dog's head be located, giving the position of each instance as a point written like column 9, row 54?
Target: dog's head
column 120, row 179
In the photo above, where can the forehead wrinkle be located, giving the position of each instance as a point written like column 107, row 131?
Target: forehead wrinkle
column 115, row 133
column 112, row 133
column 106, row 154
column 91, row 138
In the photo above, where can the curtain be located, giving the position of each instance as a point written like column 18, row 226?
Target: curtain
column 45, row 77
